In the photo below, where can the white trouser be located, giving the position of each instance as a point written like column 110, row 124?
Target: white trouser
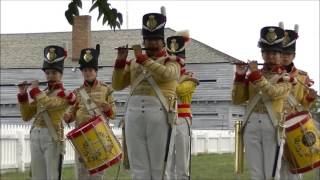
column 179, row 168
column 146, row 130
column 44, row 155
column 285, row 173
column 260, row 146
column 82, row 173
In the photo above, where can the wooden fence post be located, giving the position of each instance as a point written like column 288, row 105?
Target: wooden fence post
column 20, row 151
column 206, row 143
column 219, row 144
column 195, row 143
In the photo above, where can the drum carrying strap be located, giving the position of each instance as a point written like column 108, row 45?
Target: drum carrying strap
column 159, row 94
column 279, row 137
column 154, row 85
column 171, row 114
column 293, row 102
column 250, row 107
column 271, row 113
column 138, row 80
column 134, row 85
column 267, row 104
column 91, row 107
column 53, row 133
column 171, row 119
column 48, row 122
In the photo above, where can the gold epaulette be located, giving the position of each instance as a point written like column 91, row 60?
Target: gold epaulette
column 304, row 73
column 105, row 84
column 110, row 90
column 195, row 80
column 77, row 90
column 187, row 77
column 183, row 78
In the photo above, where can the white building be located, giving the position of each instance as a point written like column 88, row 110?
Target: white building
column 22, row 58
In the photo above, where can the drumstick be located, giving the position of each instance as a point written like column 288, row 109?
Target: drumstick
column 117, row 48
column 97, row 107
column 299, row 81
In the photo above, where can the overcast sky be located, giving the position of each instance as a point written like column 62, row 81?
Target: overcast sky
column 232, row 27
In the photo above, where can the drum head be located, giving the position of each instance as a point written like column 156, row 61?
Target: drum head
column 296, row 118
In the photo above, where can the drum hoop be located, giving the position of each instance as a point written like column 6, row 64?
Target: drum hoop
column 297, row 125
column 305, row 169
column 106, row 165
column 85, row 127
column 290, row 116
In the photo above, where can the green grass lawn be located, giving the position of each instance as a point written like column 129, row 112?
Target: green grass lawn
column 209, row 166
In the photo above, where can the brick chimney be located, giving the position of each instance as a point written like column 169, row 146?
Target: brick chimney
column 81, row 35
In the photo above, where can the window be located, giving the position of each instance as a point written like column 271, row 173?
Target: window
column 205, row 114
column 236, row 115
column 213, row 114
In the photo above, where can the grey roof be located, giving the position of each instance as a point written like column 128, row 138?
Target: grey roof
column 26, row 50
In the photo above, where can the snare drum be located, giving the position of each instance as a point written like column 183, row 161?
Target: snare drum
column 96, row 144
column 303, row 142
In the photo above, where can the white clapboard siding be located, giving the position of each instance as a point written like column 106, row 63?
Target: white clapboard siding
column 209, row 97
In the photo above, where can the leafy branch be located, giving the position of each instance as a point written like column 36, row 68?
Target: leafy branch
column 110, row 15
column 314, row 109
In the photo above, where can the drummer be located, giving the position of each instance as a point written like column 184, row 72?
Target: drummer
column 186, row 86
column 100, row 94
column 303, row 96
column 263, row 91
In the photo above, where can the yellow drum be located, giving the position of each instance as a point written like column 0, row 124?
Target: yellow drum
column 96, row 145
column 303, row 142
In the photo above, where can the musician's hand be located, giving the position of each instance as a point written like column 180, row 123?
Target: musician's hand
column 23, row 87
column 67, row 117
column 253, row 65
column 104, row 106
column 34, row 84
column 137, row 50
column 123, row 52
column 312, row 94
column 241, row 68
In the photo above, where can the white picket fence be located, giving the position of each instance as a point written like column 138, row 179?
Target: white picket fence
column 15, row 145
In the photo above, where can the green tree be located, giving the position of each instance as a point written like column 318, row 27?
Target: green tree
column 315, row 109
column 110, row 15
